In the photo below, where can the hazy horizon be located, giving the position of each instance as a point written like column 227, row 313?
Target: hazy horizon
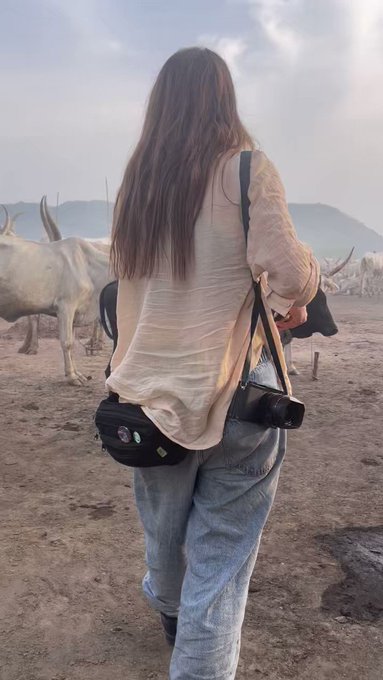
column 308, row 77
column 52, row 205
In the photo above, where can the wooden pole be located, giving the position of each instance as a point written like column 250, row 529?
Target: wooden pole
column 316, row 366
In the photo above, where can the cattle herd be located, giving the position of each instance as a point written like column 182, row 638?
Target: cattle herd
column 63, row 278
column 354, row 277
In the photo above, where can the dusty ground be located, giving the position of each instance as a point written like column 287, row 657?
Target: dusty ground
column 72, row 548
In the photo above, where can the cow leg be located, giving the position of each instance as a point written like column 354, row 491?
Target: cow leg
column 291, row 369
column 31, row 342
column 96, row 341
column 27, row 340
column 34, row 344
column 65, row 317
column 99, row 334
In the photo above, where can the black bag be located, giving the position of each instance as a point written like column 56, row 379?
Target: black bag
column 132, row 439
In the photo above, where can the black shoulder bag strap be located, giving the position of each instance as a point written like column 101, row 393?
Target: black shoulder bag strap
column 258, row 307
column 108, row 310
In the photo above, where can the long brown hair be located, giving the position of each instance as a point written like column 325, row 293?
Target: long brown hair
column 191, row 121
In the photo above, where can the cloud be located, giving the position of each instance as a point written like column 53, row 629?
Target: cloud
column 339, row 43
column 271, row 15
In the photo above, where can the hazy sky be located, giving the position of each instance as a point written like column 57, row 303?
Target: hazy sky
column 75, row 75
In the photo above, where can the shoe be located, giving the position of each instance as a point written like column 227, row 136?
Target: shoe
column 169, row 624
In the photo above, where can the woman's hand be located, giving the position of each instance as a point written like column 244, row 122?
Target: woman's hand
column 296, row 317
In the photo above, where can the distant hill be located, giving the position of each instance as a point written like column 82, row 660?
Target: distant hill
column 75, row 218
column 330, row 232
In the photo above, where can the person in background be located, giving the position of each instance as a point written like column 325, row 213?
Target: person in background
column 184, row 304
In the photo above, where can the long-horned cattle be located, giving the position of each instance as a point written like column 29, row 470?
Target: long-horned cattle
column 61, row 278
column 371, row 271
column 31, row 341
column 95, row 343
column 30, row 344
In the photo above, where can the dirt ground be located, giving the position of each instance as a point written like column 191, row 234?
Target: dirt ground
column 72, row 553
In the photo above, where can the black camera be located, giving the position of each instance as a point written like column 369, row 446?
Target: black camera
column 266, row 406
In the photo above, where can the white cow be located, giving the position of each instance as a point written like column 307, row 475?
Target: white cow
column 62, row 279
column 96, row 341
column 371, row 270
column 30, row 344
column 31, row 341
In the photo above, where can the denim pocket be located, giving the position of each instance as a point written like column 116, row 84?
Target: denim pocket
column 250, row 448
column 264, row 374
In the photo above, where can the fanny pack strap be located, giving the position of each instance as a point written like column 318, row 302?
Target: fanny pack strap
column 258, row 306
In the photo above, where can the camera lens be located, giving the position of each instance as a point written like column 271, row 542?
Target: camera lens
column 279, row 410
column 287, row 412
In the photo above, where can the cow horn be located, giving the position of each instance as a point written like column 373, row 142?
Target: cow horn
column 341, row 265
column 3, row 228
column 14, row 218
column 12, row 222
column 43, row 218
column 8, row 226
column 50, row 225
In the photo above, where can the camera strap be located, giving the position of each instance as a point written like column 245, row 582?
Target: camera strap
column 258, row 306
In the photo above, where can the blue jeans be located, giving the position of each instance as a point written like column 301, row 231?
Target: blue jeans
column 203, row 521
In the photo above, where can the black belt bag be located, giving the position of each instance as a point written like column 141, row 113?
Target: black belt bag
column 132, row 439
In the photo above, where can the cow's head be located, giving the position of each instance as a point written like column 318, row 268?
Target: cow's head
column 319, row 319
column 327, row 282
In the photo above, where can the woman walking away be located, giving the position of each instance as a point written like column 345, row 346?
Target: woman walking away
column 184, row 308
